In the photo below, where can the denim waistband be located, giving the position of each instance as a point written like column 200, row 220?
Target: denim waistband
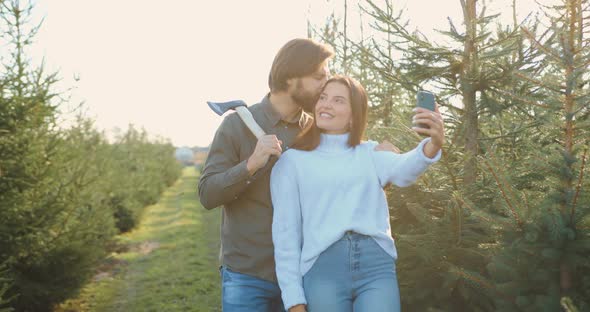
column 352, row 235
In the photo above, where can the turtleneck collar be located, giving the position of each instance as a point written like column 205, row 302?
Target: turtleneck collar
column 333, row 142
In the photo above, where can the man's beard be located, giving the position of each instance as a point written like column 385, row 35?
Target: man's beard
column 305, row 99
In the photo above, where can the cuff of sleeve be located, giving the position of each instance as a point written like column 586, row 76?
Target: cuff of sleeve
column 293, row 296
column 240, row 174
column 426, row 158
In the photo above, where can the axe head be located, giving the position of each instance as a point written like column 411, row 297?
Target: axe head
column 221, row 107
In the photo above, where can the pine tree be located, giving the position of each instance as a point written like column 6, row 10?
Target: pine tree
column 449, row 227
column 442, row 230
column 476, row 62
column 546, row 251
column 57, row 217
column 4, row 286
column 441, row 262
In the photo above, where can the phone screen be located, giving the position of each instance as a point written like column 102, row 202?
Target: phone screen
column 425, row 99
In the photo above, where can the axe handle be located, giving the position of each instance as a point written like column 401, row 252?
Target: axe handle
column 248, row 119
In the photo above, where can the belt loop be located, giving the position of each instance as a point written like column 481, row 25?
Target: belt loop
column 349, row 235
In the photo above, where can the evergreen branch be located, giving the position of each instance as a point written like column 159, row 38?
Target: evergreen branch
column 470, row 208
column 504, row 195
column 579, row 186
column 475, row 280
column 585, row 65
column 539, row 82
column 521, row 98
column 508, row 37
column 459, row 225
column 450, row 170
column 548, row 164
column 510, row 190
column 512, row 134
column 479, row 214
column 408, row 85
column 482, row 283
column 526, row 202
column 540, row 45
column 580, row 22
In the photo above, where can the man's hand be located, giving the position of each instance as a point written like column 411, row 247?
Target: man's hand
column 265, row 147
column 298, row 308
column 387, row 146
column 436, row 130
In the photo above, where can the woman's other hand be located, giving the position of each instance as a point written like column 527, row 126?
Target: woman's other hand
column 298, row 308
column 387, row 146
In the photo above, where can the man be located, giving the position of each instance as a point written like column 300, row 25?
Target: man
column 236, row 175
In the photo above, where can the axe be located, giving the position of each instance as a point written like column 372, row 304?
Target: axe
column 240, row 107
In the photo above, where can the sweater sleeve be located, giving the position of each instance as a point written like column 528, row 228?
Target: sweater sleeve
column 402, row 169
column 287, row 231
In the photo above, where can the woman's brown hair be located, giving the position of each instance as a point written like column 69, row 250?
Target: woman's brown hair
column 309, row 138
column 297, row 58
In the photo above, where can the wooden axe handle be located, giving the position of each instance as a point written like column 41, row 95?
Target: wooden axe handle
column 248, row 119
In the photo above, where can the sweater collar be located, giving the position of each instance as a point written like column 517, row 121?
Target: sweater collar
column 333, row 142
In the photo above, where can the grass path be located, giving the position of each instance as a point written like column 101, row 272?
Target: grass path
column 169, row 263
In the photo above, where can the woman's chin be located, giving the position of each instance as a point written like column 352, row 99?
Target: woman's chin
column 325, row 128
column 332, row 131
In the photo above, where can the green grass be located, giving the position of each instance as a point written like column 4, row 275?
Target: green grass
column 170, row 263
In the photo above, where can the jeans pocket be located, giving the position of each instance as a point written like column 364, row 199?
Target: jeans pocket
column 380, row 254
column 226, row 275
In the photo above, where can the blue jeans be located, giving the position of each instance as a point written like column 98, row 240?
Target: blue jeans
column 245, row 293
column 353, row 274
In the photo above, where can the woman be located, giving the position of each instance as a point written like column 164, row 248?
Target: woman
column 331, row 232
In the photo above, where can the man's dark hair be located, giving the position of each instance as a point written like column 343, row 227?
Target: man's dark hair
column 297, row 58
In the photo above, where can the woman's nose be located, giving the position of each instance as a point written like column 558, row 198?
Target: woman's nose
column 322, row 104
column 327, row 103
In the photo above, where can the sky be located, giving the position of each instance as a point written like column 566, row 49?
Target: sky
column 154, row 64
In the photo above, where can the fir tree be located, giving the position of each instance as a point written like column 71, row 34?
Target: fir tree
column 57, row 217
column 546, row 250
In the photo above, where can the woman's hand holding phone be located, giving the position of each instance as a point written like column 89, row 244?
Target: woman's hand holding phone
column 429, row 122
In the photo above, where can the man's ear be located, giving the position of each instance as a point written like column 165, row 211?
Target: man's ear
column 291, row 83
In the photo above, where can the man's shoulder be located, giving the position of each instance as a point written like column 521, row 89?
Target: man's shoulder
column 230, row 121
column 233, row 118
column 256, row 108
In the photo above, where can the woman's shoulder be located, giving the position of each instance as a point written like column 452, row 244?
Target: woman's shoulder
column 291, row 155
column 290, row 160
column 294, row 153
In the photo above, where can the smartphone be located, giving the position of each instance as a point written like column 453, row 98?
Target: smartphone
column 425, row 99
